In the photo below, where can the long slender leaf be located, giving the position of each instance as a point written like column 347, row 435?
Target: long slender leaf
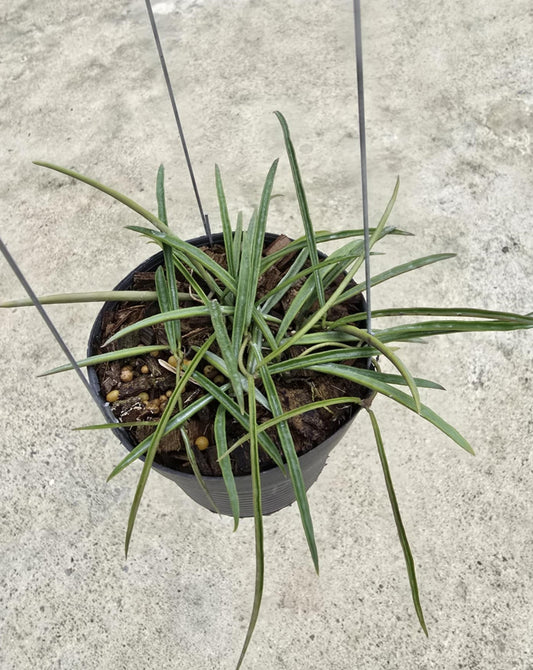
column 107, row 357
column 304, row 209
column 182, row 313
column 396, row 271
column 237, row 244
column 173, row 300
column 117, row 424
column 160, row 195
column 174, row 422
column 375, row 342
column 172, row 328
column 291, row 413
column 258, row 519
column 165, row 307
column 322, row 311
column 188, row 251
column 226, row 349
column 231, row 406
column 108, row 191
column 428, row 328
column 402, row 398
column 452, row 311
column 96, row 296
column 196, row 469
column 250, row 270
column 293, row 465
column 305, row 362
column 157, row 435
column 226, row 224
column 225, row 463
column 322, row 236
column 409, row 562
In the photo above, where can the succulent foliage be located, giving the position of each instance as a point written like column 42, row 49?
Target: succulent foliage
column 251, row 342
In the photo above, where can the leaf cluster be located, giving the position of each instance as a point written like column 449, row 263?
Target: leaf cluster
column 248, row 345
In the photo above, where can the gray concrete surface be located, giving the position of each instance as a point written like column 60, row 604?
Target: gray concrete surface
column 449, row 109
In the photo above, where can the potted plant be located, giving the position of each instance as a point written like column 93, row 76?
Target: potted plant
column 265, row 339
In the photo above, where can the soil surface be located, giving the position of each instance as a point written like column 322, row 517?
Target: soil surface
column 143, row 389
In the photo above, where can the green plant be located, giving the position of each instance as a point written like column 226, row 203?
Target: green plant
column 249, row 344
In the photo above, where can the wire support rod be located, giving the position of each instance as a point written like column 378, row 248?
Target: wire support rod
column 205, row 218
column 18, row 273
column 362, row 145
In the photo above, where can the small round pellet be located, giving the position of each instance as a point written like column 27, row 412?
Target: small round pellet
column 126, row 375
column 112, row 396
column 202, row 442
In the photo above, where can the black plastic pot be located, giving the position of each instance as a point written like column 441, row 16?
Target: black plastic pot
column 277, row 490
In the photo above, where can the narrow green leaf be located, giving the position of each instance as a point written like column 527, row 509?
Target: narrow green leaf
column 231, row 406
column 389, row 391
column 452, row 311
column 293, row 465
column 182, row 313
column 409, row 562
column 226, row 224
column 237, row 244
column 194, row 255
column 165, row 307
column 321, row 358
column 375, row 342
column 108, row 191
column 322, row 236
column 160, row 195
column 304, row 209
column 250, row 270
column 396, row 271
column 96, row 296
column 258, row 519
column 322, row 311
column 115, row 425
column 196, row 469
column 107, row 357
column 174, row 422
column 429, row 328
column 225, row 463
column 226, row 350
column 323, row 337
column 156, row 436
column 272, row 298
column 173, row 296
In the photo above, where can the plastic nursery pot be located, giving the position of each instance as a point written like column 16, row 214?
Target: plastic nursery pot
column 277, row 490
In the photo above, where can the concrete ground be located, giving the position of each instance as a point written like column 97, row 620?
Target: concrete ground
column 449, row 109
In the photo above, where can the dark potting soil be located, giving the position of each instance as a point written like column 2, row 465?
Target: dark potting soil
column 149, row 376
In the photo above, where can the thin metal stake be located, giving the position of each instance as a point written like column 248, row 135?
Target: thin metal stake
column 362, row 144
column 47, row 320
column 205, row 219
